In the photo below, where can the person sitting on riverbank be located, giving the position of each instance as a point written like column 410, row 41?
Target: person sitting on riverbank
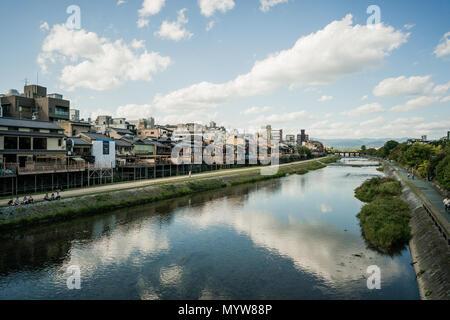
column 446, row 203
column 17, row 202
column 25, row 200
column 52, row 197
column 30, row 200
column 46, row 198
column 11, row 202
column 58, row 197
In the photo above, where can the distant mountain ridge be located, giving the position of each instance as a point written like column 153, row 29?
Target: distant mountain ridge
column 357, row 143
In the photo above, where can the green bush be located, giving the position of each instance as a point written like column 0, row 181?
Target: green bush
column 378, row 188
column 442, row 172
column 385, row 223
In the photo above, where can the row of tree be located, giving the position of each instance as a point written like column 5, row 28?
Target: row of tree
column 430, row 161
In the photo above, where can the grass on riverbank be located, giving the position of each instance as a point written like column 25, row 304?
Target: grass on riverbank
column 384, row 220
column 93, row 204
column 378, row 188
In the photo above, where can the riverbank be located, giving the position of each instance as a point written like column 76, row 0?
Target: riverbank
column 430, row 252
column 112, row 197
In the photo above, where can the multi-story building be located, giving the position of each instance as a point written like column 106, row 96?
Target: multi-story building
column 302, row 138
column 75, row 128
column 74, row 115
column 290, row 139
column 34, row 103
column 29, row 141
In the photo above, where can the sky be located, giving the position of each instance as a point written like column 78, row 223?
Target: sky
column 339, row 69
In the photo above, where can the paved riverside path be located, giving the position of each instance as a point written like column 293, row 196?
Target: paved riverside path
column 144, row 183
column 428, row 194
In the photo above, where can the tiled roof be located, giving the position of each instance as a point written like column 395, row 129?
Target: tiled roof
column 24, row 123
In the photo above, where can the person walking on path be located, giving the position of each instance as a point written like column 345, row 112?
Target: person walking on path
column 446, row 203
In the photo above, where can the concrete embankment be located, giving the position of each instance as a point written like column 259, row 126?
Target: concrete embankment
column 430, row 251
column 46, row 212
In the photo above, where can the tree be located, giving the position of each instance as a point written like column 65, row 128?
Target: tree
column 304, row 151
column 442, row 172
column 363, row 148
column 388, row 146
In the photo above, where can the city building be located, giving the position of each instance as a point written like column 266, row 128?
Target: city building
column 34, row 103
column 74, row 115
column 103, row 149
column 74, row 128
column 24, row 142
column 290, row 139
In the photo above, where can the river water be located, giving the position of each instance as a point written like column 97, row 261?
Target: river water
column 292, row 238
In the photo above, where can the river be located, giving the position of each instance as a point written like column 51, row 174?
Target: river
column 292, row 238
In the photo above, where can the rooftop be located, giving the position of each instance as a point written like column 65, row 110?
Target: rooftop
column 24, row 123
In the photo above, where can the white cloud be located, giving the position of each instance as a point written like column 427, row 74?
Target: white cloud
column 365, row 109
column 267, row 4
column 402, row 86
column 364, row 98
column 443, row 48
column 149, row 8
column 438, row 125
column 98, row 63
column 208, row 7
column 210, row 25
column 441, row 89
column 409, row 26
column 255, row 110
column 372, row 122
column 120, row 2
column 280, row 118
column 445, row 99
column 44, row 26
column 322, row 57
column 325, row 98
column 175, row 30
column 417, row 103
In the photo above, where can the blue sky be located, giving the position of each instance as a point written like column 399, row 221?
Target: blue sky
column 251, row 67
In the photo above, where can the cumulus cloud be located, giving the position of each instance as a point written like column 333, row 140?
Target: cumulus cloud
column 365, row 109
column 338, row 50
column 443, row 48
column 255, row 110
column 445, row 99
column 175, row 30
column 403, row 86
column 120, row 2
column 417, row 103
column 267, row 4
column 208, row 7
column 98, row 63
column 149, row 8
column 325, row 98
column 363, row 98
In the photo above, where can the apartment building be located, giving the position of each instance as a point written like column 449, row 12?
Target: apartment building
column 34, row 103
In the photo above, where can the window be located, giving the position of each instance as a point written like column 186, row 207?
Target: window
column 59, row 142
column 24, row 143
column 11, row 143
column 40, row 143
column 105, row 147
